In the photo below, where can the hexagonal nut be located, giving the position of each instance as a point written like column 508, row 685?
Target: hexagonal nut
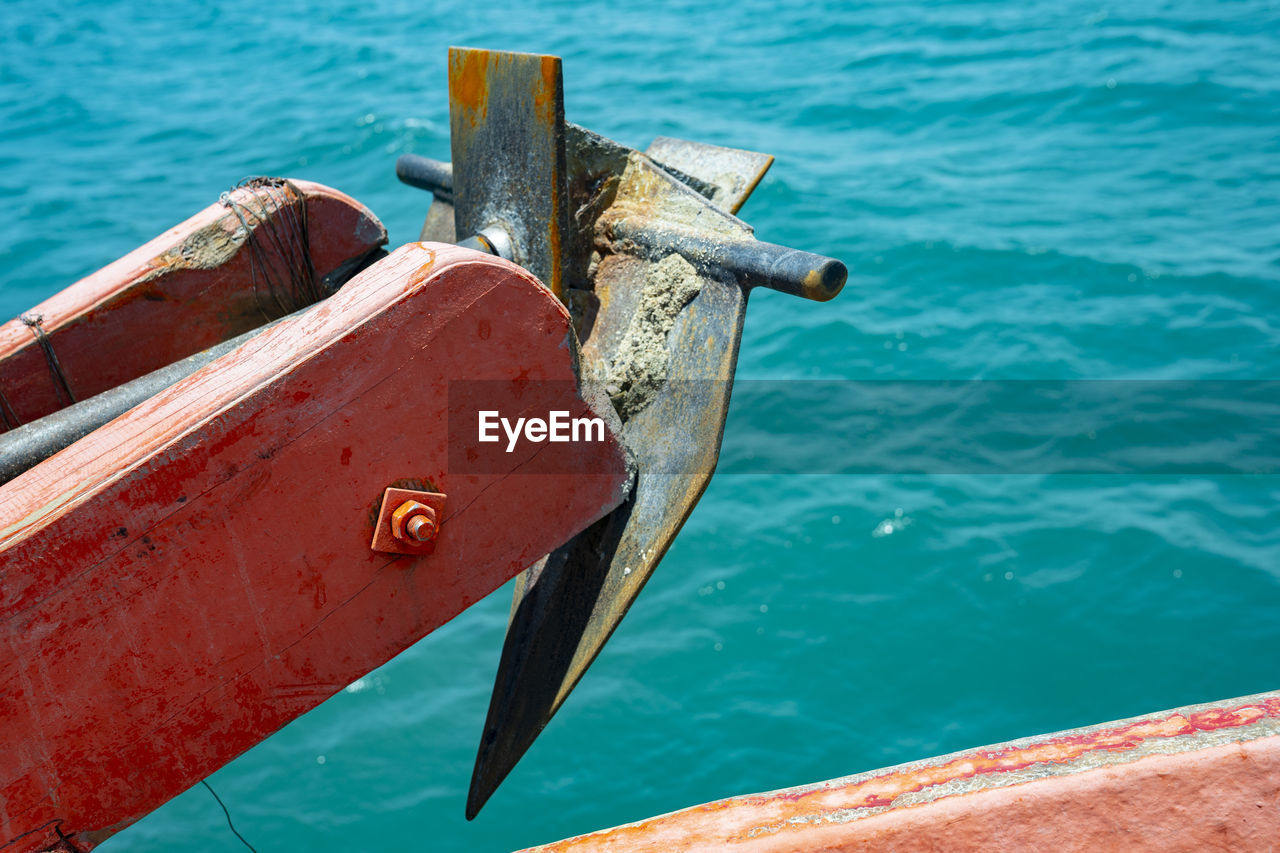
column 413, row 521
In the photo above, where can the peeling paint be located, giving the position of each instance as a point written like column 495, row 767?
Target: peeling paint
column 805, row 817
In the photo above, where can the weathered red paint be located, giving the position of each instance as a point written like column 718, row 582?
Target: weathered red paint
column 182, row 292
column 1200, row 778
column 195, row 574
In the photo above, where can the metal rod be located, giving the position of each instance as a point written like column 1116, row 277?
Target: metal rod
column 26, row 446
column 752, row 263
column 434, row 176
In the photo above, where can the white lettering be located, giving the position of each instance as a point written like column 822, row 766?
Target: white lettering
column 587, row 425
column 559, row 426
column 488, row 421
column 512, row 434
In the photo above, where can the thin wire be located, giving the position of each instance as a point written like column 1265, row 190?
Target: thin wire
column 280, row 224
column 228, row 814
column 35, row 322
column 7, row 414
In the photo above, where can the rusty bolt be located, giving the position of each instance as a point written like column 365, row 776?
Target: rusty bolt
column 422, row 527
column 413, row 522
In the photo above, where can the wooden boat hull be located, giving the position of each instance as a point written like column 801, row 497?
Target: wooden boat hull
column 187, row 579
column 1205, row 777
column 193, row 286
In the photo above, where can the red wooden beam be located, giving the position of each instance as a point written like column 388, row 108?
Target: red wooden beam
column 1205, row 777
column 187, row 579
column 182, row 292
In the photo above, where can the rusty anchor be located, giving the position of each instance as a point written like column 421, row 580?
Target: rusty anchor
column 645, row 250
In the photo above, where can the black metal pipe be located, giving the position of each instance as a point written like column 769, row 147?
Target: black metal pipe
column 752, row 263
column 434, row 176
column 26, row 446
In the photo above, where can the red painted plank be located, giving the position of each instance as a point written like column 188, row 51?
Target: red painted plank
column 1206, row 777
column 187, row 579
column 182, row 292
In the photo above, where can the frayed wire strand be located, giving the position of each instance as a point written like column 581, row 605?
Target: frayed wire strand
column 231, row 825
column 279, row 211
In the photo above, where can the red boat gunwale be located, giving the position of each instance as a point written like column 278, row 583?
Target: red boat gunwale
column 182, row 292
column 1204, row 777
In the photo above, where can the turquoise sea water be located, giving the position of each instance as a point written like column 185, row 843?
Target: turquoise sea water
column 1037, row 190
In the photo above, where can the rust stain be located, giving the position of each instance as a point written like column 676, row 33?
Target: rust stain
column 546, row 104
column 421, row 273
column 394, row 516
column 553, row 241
column 819, row 287
column 469, row 82
column 813, row 285
column 417, row 484
column 544, row 98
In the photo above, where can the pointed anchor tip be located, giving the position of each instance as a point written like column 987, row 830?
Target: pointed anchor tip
column 483, row 783
column 476, row 795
